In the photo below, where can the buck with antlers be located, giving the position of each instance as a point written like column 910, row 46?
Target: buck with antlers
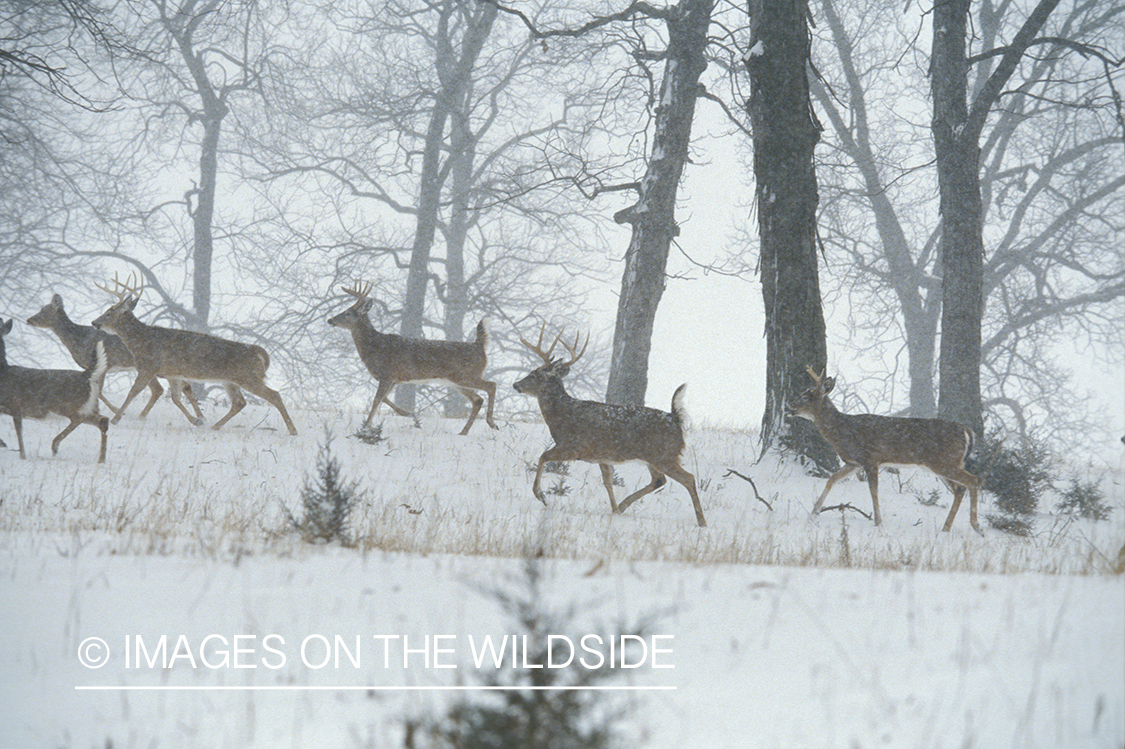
column 606, row 434
column 392, row 359
column 868, row 441
column 34, row 393
column 187, row 355
column 79, row 341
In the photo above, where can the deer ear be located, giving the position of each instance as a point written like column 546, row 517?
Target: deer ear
column 365, row 307
column 561, row 370
column 6, row 328
column 56, row 301
column 828, row 384
column 131, row 303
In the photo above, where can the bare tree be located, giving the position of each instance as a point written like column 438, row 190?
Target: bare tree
column 416, row 133
column 1051, row 266
column 785, row 132
column 190, row 63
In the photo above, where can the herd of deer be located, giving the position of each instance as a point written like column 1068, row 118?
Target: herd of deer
column 582, row 430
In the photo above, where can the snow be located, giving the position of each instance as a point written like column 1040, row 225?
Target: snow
column 783, row 631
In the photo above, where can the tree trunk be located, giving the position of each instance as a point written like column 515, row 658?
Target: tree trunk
column 203, row 216
column 961, row 245
column 785, row 132
column 653, row 217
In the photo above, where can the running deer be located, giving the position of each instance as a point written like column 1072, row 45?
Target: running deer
column 35, row 393
column 187, row 355
column 606, row 434
column 79, row 341
column 392, row 359
column 868, row 441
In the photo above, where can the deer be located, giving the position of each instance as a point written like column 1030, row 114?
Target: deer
column 606, row 434
column 392, row 359
column 79, row 341
column 187, row 355
column 869, row 441
column 35, row 393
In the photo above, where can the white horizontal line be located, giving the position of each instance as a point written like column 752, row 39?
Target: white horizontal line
column 368, row 688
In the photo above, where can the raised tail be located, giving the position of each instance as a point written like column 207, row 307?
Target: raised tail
column 95, row 376
column 678, row 409
column 482, row 334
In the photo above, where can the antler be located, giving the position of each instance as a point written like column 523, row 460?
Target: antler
column 538, row 347
column 570, row 349
column 546, row 355
column 122, row 289
column 812, row 373
column 358, row 290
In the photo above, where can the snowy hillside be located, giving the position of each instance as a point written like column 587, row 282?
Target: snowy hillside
column 780, row 630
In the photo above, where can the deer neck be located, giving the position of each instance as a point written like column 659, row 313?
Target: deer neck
column 129, row 327
column 554, row 400
column 365, row 333
column 74, row 336
column 828, row 419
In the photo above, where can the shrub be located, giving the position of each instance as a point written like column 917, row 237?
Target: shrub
column 370, row 435
column 521, row 718
column 1017, row 478
column 1085, row 499
column 327, row 500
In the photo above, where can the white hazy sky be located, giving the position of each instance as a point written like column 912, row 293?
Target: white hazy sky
column 709, row 331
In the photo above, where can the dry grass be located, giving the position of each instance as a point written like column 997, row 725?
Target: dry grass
column 171, row 489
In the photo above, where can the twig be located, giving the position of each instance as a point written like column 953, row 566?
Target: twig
column 846, row 506
column 732, row 472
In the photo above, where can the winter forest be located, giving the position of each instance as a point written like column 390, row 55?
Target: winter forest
column 917, row 207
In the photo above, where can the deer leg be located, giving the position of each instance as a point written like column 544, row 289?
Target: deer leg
column 143, row 379
column 679, row 474
column 607, row 479
column 272, row 397
column 844, row 472
column 958, row 482
column 872, row 472
column 658, row 480
column 62, row 435
column 174, row 389
column 187, row 390
column 237, row 403
column 155, row 392
column 103, row 424
column 553, row 453
column 17, row 422
column 110, row 406
column 489, row 388
column 477, row 402
column 381, row 394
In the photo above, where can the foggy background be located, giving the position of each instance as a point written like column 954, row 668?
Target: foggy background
column 317, row 180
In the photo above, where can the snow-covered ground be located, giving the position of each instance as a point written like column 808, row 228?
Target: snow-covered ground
column 768, row 628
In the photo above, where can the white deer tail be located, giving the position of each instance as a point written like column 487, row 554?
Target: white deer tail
column 678, row 410
column 482, row 335
column 95, row 376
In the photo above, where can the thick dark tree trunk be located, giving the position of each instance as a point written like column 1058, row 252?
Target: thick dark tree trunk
column 961, row 244
column 653, row 217
column 957, row 126
column 785, row 132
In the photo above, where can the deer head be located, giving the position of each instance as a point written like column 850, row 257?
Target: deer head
column 356, row 314
column 552, row 370
column 809, row 402
column 127, row 294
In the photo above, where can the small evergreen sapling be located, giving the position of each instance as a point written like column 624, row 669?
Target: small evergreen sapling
column 327, row 500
